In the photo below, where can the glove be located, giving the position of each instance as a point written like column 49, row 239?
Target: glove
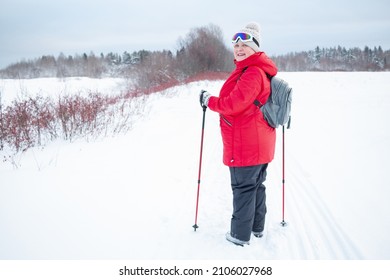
column 204, row 97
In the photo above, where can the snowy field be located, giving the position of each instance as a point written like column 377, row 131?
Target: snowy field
column 133, row 196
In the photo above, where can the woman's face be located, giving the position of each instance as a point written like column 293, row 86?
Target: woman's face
column 242, row 51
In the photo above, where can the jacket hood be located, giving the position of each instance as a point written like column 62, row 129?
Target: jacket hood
column 259, row 59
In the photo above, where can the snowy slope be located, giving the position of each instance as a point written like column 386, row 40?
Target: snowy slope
column 133, row 196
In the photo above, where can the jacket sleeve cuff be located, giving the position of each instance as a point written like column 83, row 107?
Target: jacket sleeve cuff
column 211, row 102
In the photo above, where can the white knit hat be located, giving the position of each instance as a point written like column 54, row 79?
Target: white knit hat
column 253, row 29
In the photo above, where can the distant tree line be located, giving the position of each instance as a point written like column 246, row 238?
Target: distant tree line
column 202, row 50
column 335, row 59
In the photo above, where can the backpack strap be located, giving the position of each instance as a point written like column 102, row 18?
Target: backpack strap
column 258, row 103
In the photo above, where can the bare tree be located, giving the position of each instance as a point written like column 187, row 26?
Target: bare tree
column 203, row 50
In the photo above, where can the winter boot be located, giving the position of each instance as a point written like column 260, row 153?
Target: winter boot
column 236, row 241
column 258, row 234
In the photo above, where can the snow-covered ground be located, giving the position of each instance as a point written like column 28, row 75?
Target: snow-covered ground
column 19, row 89
column 133, row 196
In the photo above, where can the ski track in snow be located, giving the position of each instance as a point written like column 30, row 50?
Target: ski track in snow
column 134, row 196
column 308, row 210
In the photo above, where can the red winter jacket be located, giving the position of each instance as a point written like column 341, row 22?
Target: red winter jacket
column 247, row 138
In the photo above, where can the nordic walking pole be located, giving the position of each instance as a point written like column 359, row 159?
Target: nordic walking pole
column 195, row 226
column 283, row 223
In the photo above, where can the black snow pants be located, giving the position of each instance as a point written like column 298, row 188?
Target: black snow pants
column 249, row 206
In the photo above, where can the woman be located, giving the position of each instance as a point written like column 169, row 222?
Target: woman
column 248, row 140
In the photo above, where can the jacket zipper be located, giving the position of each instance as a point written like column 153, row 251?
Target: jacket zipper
column 226, row 121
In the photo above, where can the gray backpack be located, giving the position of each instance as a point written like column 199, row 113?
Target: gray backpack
column 277, row 109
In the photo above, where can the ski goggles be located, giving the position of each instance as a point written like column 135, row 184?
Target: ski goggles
column 244, row 37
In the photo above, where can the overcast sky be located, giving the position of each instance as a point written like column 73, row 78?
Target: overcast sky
column 32, row 28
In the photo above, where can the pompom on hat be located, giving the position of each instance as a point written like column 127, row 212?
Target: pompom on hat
column 252, row 29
